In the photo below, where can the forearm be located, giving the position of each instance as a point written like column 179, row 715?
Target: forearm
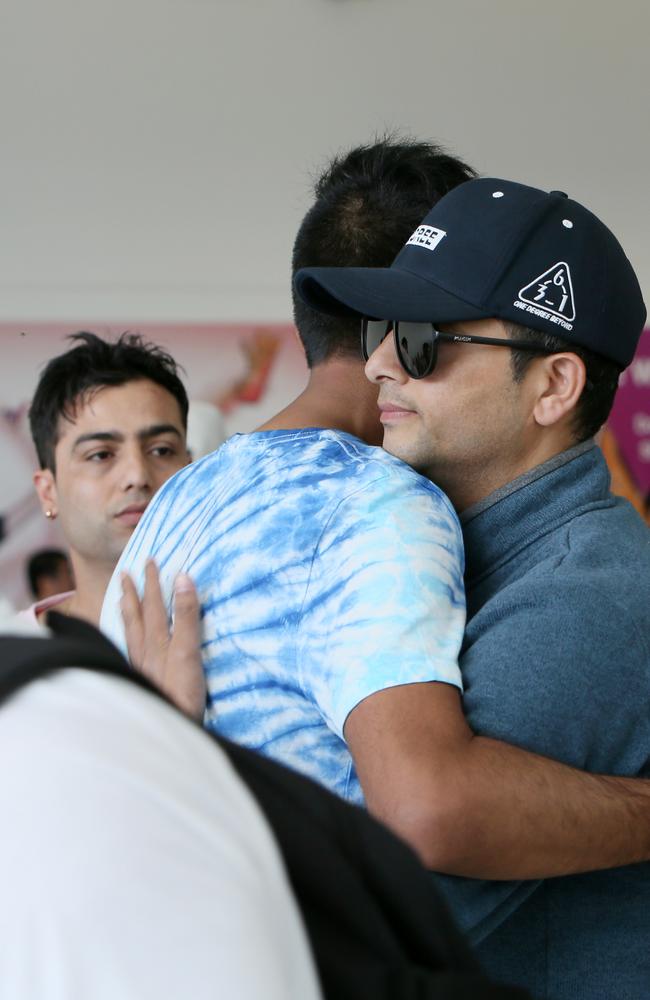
column 473, row 806
column 503, row 813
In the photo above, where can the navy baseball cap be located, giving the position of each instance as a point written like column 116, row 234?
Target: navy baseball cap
column 495, row 248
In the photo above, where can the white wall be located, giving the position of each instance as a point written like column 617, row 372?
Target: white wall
column 156, row 153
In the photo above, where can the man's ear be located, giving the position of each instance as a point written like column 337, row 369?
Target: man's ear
column 45, row 486
column 564, row 378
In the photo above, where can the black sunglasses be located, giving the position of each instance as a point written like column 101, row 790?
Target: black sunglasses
column 416, row 344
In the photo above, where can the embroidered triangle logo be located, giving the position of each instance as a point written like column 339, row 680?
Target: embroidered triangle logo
column 552, row 291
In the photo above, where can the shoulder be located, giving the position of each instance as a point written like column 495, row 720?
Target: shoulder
column 567, row 602
column 560, row 666
column 372, row 472
column 602, row 568
column 29, row 618
column 613, row 533
column 189, row 490
column 395, row 530
column 203, row 470
column 595, row 561
column 580, row 589
column 554, row 647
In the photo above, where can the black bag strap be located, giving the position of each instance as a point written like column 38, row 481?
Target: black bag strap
column 25, row 658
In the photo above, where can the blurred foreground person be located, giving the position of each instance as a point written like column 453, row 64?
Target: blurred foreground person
column 137, row 866
column 134, row 863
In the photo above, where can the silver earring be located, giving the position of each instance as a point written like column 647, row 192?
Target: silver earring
column 49, row 514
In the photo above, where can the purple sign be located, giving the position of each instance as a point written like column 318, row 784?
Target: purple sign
column 630, row 416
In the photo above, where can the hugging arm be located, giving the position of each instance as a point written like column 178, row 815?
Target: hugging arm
column 495, row 805
column 474, row 806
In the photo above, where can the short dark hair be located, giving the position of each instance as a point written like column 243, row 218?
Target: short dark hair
column 368, row 202
column 601, row 383
column 45, row 562
column 91, row 365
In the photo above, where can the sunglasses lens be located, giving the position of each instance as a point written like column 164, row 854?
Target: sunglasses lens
column 374, row 331
column 416, row 346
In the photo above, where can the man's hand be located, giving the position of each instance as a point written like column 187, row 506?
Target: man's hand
column 169, row 659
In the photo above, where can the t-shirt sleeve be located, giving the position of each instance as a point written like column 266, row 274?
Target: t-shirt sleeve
column 385, row 601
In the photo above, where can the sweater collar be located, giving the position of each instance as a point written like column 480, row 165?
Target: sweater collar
column 517, row 513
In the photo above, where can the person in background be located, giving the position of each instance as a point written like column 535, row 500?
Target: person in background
column 49, row 573
column 108, row 420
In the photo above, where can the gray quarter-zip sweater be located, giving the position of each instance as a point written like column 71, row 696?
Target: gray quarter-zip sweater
column 556, row 659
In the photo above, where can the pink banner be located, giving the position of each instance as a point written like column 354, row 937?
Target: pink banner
column 630, row 417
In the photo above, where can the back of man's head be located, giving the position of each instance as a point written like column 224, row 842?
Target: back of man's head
column 368, row 202
column 48, row 572
column 90, row 365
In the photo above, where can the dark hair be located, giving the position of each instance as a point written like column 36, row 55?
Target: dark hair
column 601, row 383
column 368, row 202
column 45, row 562
column 91, row 365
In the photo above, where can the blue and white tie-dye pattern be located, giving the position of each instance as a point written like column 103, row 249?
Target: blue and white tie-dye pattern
column 327, row 570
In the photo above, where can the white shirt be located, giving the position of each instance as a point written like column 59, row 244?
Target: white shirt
column 134, row 864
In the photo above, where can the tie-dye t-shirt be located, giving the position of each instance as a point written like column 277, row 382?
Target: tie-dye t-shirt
column 327, row 570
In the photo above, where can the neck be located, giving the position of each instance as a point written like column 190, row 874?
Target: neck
column 91, row 582
column 338, row 397
column 465, row 486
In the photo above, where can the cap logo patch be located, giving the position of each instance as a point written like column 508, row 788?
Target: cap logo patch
column 426, row 236
column 550, row 296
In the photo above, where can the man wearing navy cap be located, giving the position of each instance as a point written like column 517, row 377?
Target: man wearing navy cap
column 496, row 338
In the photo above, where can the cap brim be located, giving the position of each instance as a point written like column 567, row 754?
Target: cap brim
column 381, row 293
